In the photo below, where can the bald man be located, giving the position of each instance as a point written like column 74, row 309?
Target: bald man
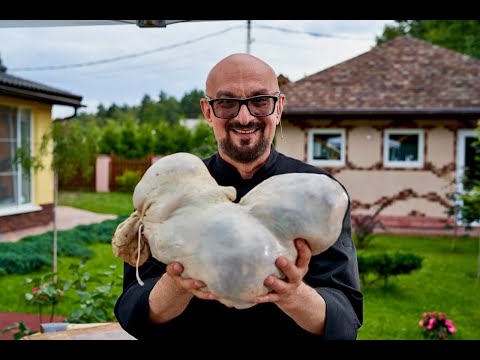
column 318, row 299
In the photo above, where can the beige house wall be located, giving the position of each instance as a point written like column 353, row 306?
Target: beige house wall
column 418, row 191
column 293, row 143
column 41, row 119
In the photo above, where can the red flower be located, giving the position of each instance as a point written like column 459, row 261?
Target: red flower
column 39, row 289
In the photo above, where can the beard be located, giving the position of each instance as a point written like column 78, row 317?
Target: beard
column 245, row 153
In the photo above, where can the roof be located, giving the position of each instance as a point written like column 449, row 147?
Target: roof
column 403, row 76
column 17, row 87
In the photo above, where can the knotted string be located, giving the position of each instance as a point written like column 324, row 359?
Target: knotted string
column 138, row 256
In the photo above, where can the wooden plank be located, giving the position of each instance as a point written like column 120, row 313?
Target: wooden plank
column 99, row 331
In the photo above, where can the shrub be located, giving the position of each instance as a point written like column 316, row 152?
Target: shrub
column 33, row 253
column 384, row 265
column 95, row 304
column 128, row 180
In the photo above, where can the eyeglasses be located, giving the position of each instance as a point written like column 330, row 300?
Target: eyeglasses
column 228, row 108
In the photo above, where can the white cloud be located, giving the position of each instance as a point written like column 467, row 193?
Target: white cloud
column 179, row 57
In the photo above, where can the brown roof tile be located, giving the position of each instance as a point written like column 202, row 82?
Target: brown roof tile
column 15, row 86
column 405, row 75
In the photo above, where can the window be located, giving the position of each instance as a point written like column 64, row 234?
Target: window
column 403, row 148
column 15, row 132
column 326, row 147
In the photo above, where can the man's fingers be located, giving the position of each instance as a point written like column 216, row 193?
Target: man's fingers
column 205, row 295
column 288, row 268
column 174, row 269
column 304, row 253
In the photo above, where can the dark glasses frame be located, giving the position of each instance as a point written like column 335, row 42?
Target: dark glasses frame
column 241, row 102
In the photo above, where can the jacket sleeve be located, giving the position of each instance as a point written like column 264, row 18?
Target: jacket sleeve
column 334, row 274
column 131, row 308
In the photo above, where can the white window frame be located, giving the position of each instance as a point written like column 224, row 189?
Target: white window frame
column 460, row 168
column 419, row 163
column 19, row 208
column 326, row 163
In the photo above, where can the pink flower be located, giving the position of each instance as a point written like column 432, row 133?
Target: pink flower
column 435, row 325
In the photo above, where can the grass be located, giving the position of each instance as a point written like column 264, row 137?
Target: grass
column 117, row 203
column 447, row 281
column 14, row 287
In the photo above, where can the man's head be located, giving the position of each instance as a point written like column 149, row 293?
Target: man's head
column 243, row 137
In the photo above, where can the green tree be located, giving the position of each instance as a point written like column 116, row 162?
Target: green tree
column 169, row 108
column 190, row 104
column 203, row 141
column 458, row 35
column 72, row 147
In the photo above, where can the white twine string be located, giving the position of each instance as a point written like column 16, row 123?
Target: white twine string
column 138, row 256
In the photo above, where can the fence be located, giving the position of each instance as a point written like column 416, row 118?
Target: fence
column 78, row 181
column 105, row 171
column 119, row 165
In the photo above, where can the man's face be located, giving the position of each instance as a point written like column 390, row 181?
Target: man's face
column 244, row 138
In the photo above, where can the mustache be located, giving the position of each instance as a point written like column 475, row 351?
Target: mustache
column 250, row 126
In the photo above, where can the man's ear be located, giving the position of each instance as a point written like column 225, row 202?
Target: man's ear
column 125, row 241
column 207, row 111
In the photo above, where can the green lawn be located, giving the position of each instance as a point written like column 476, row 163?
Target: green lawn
column 117, row 203
column 14, row 287
column 447, row 281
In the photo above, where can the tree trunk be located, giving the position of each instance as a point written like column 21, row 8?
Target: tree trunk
column 55, row 201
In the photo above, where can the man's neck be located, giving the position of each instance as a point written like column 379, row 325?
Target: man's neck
column 246, row 171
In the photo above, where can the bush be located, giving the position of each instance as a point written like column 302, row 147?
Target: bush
column 384, row 265
column 128, row 180
column 33, row 253
column 20, row 262
column 96, row 303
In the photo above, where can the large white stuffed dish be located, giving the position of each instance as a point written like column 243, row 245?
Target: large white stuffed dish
column 232, row 247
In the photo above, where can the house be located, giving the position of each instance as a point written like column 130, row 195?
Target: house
column 395, row 125
column 25, row 116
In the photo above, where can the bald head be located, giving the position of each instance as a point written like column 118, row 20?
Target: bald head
column 241, row 75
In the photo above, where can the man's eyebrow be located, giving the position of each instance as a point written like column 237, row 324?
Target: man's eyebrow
column 229, row 94
column 224, row 94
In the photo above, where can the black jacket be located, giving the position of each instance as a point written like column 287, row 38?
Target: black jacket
column 333, row 273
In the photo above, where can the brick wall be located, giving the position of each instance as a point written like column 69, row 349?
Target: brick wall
column 26, row 220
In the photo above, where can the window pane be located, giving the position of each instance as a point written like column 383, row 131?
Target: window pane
column 25, row 133
column 7, row 190
column 327, row 146
column 472, row 167
column 10, row 193
column 8, row 144
column 8, row 123
column 6, row 156
column 26, row 190
column 403, row 147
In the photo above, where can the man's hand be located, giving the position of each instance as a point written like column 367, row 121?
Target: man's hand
column 184, row 285
column 285, row 291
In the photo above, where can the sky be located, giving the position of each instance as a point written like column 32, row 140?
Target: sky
column 120, row 64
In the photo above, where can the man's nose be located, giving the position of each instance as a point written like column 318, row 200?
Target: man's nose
column 244, row 115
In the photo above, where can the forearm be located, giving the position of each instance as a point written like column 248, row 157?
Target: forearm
column 308, row 309
column 166, row 300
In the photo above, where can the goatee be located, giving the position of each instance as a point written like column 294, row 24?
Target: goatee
column 244, row 153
